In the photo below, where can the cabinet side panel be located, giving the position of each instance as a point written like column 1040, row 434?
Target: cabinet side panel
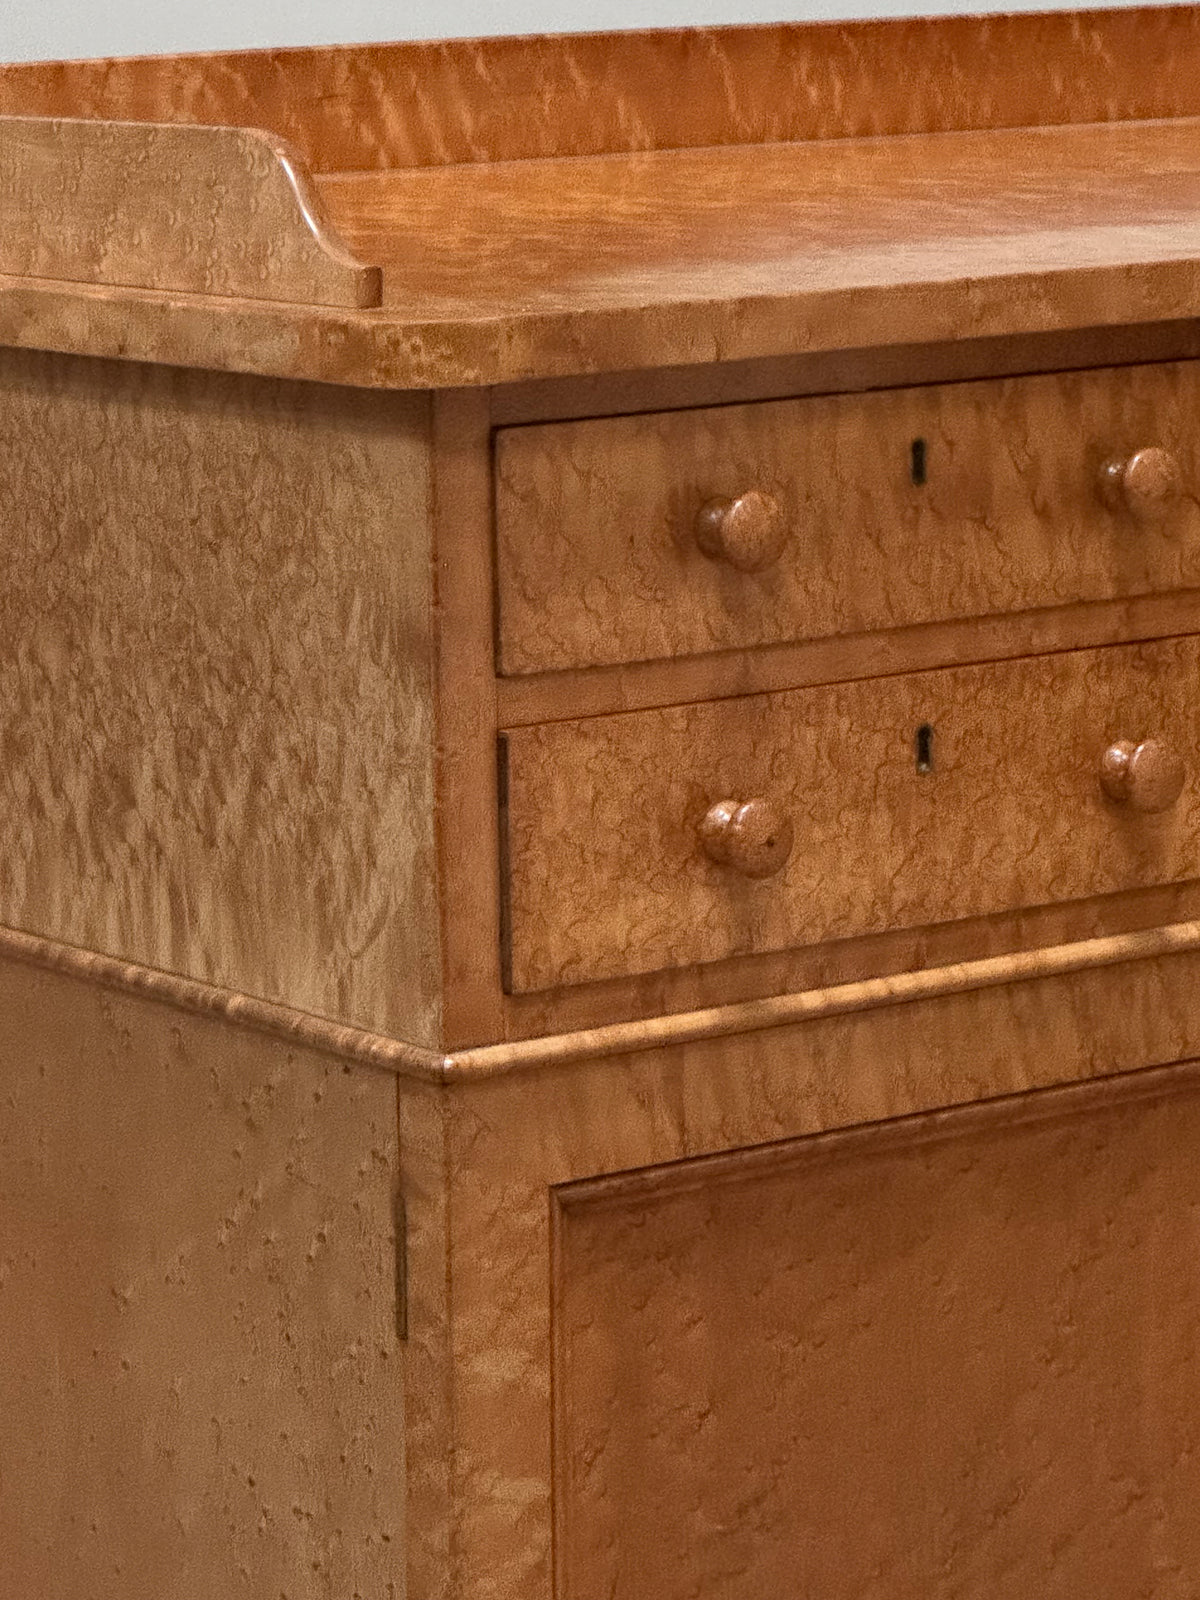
column 947, row 1354
column 215, row 681
column 201, row 1391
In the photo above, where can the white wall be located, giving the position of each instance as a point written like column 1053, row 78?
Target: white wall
column 32, row 30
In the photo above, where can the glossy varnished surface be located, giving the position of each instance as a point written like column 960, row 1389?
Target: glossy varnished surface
column 542, row 247
column 548, row 268
column 823, row 245
column 599, row 559
column 607, row 875
column 613, row 232
column 509, row 1141
column 446, row 101
column 250, row 734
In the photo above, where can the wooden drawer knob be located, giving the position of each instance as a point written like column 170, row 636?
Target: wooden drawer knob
column 1147, row 776
column 748, row 533
column 752, row 836
column 1147, row 484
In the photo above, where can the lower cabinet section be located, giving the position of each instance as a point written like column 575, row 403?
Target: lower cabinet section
column 200, row 1374
column 752, row 1316
column 956, row 1357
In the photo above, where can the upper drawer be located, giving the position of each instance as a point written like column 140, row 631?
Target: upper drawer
column 869, row 510
column 910, row 800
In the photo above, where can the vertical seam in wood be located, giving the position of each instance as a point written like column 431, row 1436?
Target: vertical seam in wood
column 494, row 543
column 431, row 1468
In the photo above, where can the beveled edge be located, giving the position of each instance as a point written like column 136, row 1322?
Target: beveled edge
column 366, row 1049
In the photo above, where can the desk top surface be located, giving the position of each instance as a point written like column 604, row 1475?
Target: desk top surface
column 470, row 272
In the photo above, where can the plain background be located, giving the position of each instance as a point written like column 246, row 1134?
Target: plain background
column 32, row 30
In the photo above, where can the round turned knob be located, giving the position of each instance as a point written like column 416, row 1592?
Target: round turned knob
column 748, row 533
column 752, row 836
column 1147, row 776
column 1147, row 484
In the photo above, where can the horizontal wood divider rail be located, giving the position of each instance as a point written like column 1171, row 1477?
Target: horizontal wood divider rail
column 227, row 212
column 574, row 693
column 1021, row 1110
column 870, row 994
column 354, row 1045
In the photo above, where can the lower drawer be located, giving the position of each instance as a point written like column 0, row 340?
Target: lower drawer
column 905, row 801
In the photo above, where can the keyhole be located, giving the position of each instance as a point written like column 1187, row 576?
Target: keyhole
column 916, row 463
column 924, row 747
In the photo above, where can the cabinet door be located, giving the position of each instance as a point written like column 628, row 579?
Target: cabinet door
column 949, row 1358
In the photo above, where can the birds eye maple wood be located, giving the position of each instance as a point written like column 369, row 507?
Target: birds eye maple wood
column 600, row 891
column 1033, row 491
column 748, row 533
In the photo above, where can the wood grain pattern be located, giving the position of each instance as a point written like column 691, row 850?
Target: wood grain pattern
column 513, row 1138
column 216, row 211
column 754, row 1353
column 598, row 561
column 215, row 680
column 465, row 753
column 733, row 249
column 320, row 1035
column 249, row 752
column 686, row 258
column 744, row 222
column 840, row 372
column 589, row 1015
column 869, row 994
column 429, row 1421
column 607, row 876
column 450, row 101
column 715, row 675
column 201, row 1391
column 1142, row 933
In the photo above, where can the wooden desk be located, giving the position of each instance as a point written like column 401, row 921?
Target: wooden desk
column 602, row 817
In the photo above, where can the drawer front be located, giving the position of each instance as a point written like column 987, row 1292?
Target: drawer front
column 911, row 800
column 864, row 511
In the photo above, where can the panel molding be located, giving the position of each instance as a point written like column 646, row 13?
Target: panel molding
column 490, row 1061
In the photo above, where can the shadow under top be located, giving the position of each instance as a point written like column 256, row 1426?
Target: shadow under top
column 502, row 269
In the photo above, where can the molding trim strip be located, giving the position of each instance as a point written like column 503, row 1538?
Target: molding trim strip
column 366, row 1049
column 868, row 995
column 205, row 999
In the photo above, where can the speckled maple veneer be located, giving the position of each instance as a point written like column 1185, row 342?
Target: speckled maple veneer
column 601, row 822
